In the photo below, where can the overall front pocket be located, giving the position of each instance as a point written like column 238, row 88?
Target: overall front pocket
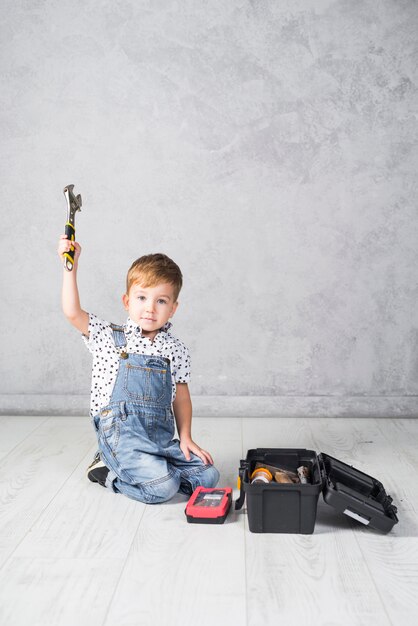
column 145, row 384
column 110, row 431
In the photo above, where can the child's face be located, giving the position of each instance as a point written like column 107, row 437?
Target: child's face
column 150, row 307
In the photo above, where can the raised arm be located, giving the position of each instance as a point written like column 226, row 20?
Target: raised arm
column 70, row 297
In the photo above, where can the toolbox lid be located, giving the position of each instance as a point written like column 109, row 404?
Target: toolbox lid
column 356, row 494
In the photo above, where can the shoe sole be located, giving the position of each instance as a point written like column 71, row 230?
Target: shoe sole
column 97, row 475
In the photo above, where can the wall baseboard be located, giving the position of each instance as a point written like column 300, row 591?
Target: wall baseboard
column 232, row 406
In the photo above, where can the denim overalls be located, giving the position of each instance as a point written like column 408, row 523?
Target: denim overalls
column 135, row 432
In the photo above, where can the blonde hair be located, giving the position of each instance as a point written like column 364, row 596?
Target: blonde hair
column 152, row 269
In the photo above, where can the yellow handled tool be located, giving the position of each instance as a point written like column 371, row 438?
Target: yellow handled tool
column 73, row 205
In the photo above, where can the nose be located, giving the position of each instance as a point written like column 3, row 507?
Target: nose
column 150, row 307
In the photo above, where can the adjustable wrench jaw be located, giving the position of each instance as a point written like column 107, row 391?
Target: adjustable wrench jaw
column 73, row 205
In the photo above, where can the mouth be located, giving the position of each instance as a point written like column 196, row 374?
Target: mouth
column 148, row 319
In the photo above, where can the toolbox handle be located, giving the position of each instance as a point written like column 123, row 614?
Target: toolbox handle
column 243, row 470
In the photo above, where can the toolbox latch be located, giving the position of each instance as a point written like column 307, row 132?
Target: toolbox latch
column 322, row 470
column 387, row 504
column 243, row 471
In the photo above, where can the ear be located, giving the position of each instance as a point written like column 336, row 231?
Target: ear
column 125, row 300
column 174, row 309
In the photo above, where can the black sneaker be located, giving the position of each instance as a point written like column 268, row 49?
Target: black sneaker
column 97, row 471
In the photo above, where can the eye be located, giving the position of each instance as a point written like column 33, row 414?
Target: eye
column 141, row 297
column 162, row 301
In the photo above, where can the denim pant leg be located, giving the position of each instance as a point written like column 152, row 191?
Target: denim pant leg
column 151, row 492
column 193, row 473
column 135, row 467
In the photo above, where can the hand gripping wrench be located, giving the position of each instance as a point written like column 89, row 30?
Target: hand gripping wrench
column 73, row 205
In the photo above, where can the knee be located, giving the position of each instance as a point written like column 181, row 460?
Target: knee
column 162, row 491
column 209, row 477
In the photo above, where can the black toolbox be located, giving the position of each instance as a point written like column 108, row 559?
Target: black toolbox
column 291, row 508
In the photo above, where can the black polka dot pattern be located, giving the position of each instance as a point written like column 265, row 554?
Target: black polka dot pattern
column 106, row 356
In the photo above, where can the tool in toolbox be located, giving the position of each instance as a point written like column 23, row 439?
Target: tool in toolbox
column 209, row 505
column 73, row 205
column 291, row 508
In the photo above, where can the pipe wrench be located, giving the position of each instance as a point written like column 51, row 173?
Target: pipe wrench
column 73, row 205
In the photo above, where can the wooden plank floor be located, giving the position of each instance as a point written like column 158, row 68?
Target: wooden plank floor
column 75, row 554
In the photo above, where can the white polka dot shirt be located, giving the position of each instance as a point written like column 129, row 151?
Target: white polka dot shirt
column 106, row 356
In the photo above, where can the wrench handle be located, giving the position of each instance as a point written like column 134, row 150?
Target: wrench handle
column 69, row 256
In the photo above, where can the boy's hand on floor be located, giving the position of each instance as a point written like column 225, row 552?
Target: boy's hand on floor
column 188, row 445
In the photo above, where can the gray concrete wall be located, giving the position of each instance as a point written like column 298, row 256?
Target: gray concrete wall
column 269, row 147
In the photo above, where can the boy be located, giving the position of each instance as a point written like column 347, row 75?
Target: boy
column 139, row 385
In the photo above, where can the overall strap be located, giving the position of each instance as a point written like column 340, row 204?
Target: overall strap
column 118, row 335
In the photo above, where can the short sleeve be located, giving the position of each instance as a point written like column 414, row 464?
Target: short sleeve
column 181, row 363
column 98, row 332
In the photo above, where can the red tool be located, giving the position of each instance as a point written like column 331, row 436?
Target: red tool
column 209, row 506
